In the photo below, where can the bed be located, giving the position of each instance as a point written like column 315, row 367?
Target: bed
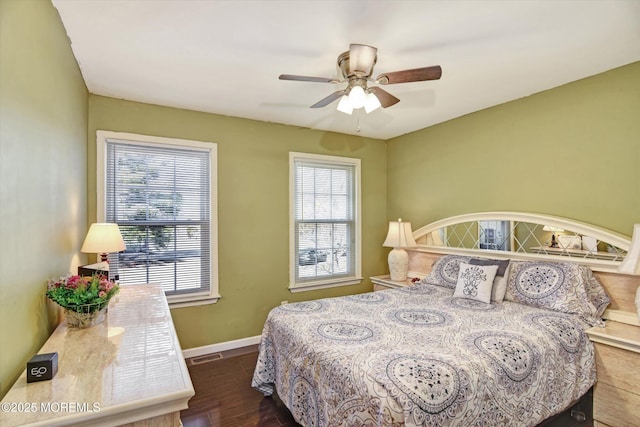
column 436, row 353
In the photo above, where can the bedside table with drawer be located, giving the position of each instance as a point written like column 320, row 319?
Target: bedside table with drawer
column 381, row 283
column 616, row 395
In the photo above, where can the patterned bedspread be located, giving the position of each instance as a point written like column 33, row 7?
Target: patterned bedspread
column 418, row 356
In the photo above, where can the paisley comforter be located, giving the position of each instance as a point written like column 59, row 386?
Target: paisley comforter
column 418, row 356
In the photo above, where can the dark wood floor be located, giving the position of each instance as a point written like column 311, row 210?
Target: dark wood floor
column 224, row 397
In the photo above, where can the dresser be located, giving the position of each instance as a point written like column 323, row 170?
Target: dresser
column 616, row 395
column 127, row 371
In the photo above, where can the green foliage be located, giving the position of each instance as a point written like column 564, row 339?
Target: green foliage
column 82, row 294
column 147, row 200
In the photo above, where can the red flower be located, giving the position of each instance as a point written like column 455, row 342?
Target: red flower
column 73, row 281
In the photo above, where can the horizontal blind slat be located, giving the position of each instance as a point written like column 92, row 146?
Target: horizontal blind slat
column 324, row 209
column 160, row 198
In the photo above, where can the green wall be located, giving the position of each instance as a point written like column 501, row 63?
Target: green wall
column 43, row 125
column 573, row 151
column 253, row 208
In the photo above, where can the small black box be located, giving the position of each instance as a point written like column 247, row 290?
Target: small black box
column 90, row 270
column 42, row 367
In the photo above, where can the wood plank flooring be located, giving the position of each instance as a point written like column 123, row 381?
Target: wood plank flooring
column 224, row 397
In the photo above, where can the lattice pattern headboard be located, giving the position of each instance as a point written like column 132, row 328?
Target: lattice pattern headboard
column 522, row 236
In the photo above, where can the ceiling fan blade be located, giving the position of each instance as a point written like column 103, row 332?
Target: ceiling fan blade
column 329, row 99
column 385, row 98
column 407, row 76
column 307, row 78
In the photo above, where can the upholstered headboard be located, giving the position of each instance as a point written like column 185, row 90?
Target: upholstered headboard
column 528, row 236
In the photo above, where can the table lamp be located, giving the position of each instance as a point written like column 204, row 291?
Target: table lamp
column 103, row 238
column 399, row 236
column 554, row 230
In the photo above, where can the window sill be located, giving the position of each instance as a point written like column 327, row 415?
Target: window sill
column 314, row 286
column 191, row 301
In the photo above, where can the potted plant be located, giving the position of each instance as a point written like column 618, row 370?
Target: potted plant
column 84, row 299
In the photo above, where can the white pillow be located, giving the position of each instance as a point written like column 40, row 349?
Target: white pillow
column 500, row 286
column 500, row 281
column 475, row 282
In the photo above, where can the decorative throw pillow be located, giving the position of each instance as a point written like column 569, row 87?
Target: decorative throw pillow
column 559, row 286
column 475, row 282
column 445, row 271
column 500, row 281
column 500, row 286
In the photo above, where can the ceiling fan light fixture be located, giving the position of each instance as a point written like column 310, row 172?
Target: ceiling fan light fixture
column 357, row 97
column 344, row 105
column 371, row 103
column 355, row 67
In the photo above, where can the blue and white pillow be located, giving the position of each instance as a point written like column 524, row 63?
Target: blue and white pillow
column 559, row 286
column 445, row 271
column 475, row 282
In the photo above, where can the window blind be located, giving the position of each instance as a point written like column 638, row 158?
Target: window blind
column 160, row 198
column 325, row 220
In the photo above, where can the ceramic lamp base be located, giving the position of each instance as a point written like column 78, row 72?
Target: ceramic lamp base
column 398, row 264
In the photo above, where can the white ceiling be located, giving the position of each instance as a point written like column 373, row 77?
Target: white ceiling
column 224, row 57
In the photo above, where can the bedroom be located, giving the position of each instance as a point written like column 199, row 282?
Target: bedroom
column 586, row 130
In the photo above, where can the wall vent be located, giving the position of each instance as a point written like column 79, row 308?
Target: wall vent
column 199, row 360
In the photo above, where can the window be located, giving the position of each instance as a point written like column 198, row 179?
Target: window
column 162, row 194
column 325, row 221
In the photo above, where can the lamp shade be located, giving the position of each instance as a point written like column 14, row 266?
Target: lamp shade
column 103, row 238
column 554, row 229
column 357, row 97
column 345, row 105
column 631, row 263
column 399, row 235
column 371, row 103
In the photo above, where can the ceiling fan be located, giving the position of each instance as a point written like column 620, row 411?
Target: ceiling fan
column 356, row 66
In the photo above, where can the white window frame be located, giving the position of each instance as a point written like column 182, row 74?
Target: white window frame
column 175, row 301
column 330, row 282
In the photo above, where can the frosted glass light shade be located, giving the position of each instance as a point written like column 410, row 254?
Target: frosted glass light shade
column 371, row 103
column 103, row 238
column 357, row 97
column 345, row 105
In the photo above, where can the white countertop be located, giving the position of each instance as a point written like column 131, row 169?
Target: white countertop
column 128, row 368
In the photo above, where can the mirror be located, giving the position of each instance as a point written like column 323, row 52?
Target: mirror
column 543, row 238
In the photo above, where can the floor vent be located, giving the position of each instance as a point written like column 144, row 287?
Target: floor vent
column 199, row 360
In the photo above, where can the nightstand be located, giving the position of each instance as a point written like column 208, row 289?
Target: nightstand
column 380, row 283
column 616, row 395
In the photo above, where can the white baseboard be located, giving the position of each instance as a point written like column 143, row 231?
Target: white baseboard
column 222, row 346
